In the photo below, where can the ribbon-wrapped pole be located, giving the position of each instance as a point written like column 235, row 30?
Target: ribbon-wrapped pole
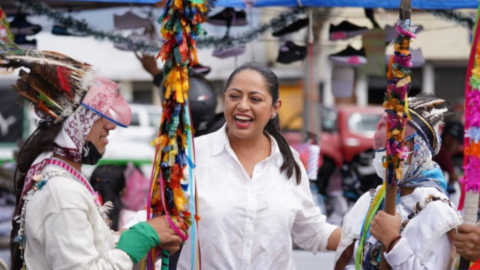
column 5, row 34
column 471, row 157
column 396, row 106
column 174, row 153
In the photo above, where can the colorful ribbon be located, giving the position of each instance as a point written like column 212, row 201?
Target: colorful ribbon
column 396, row 102
column 174, row 150
column 471, row 178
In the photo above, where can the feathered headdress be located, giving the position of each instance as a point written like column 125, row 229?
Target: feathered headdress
column 427, row 113
column 54, row 83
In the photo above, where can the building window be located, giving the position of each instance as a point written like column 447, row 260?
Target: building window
column 142, row 92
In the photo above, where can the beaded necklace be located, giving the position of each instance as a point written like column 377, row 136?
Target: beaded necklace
column 375, row 250
column 419, row 206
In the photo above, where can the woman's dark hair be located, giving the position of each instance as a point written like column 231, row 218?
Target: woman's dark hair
column 108, row 180
column 290, row 166
column 40, row 141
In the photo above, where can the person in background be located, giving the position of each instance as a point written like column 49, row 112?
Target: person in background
column 109, row 181
column 135, row 194
column 202, row 96
column 452, row 141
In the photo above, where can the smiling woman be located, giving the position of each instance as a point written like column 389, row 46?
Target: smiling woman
column 251, row 110
column 254, row 194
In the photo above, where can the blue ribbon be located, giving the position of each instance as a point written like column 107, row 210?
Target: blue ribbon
column 192, row 184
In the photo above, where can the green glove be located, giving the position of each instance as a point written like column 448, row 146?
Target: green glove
column 138, row 240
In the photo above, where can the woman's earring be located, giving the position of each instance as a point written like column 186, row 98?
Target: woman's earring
column 274, row 115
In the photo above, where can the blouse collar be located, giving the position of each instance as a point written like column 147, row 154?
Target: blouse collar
column 221, row 143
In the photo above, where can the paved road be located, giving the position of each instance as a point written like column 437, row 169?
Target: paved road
column 5, row 256
column 307, row 261
column 304, row 260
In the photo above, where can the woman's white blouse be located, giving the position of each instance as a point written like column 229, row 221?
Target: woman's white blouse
column 249, row 223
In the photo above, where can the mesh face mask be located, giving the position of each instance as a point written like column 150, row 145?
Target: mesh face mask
column 104, row 99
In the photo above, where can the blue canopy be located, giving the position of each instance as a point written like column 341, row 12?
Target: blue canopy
column 392, row 4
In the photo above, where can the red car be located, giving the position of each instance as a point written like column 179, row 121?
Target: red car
column 346, row 138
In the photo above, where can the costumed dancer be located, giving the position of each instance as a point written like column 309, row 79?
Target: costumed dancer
column 59, row 221
column 254, row 195
column 418, row 236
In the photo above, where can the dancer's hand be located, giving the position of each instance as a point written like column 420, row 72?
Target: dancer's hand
column 169, row 240
column 467, row 242
column 385, row 227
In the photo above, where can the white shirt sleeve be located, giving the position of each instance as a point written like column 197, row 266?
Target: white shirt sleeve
column 70, row 245
column 402, row 257
column 310, row 229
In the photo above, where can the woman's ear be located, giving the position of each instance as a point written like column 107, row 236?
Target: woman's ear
column 277, row 106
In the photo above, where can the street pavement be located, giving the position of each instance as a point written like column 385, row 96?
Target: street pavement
column 305, row 260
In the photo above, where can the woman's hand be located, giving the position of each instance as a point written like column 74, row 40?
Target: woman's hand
column 385, row 227
column 467, row 242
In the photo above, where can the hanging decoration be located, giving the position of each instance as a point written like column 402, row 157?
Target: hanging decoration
column 471, row 157
column 396, row 106
column 282, row 21
column 5, row 34
column 82, row 27
column 471, row 180
column 454, row 16
column 174, row 154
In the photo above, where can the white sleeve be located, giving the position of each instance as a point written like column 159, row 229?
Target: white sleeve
column 310, row 230
column 70, row 245
column 402, row 257
column 140, row 216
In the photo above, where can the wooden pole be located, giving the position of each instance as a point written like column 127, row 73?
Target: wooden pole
column 390, row 205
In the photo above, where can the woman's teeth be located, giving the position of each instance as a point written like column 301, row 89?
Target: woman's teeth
column 243, row 118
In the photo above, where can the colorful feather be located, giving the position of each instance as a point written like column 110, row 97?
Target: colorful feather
column 62, row 76
column 54, row 83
